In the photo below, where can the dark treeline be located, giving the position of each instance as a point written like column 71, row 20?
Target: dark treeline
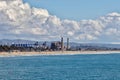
column 5, row 48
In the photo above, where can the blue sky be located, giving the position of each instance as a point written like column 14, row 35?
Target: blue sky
column 80, row 20
column 77, row 9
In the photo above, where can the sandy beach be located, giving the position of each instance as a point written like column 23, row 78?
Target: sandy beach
column 13, row 54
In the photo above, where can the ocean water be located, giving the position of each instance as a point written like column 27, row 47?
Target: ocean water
column 64, row 67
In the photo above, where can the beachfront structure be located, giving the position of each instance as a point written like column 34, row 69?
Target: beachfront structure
column 55, row 46
column 23, row 45
column 26, row 45
column 59, row 45
column 68, row 44
column 62, row 44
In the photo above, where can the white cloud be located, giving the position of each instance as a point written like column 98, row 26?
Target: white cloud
column 114, row 14
column 40, row 12
column 111, row 31
column 19, row 20
column 3, row 5
column 70, row 33
column 86, row 37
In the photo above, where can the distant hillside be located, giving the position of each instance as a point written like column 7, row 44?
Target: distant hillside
column 72, row 44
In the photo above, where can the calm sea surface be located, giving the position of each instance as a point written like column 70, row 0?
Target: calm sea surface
column 65, row 67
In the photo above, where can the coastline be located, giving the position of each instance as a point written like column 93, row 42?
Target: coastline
column 43, row 53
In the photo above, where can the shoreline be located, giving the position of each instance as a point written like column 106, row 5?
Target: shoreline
column 47, row 53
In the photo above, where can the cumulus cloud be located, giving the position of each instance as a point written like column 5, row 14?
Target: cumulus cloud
column 20, row 20
column 111, row 24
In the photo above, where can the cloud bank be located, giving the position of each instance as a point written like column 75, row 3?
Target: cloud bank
column 20, row 20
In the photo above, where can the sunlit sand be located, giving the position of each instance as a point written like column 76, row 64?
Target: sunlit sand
column 12, row 54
